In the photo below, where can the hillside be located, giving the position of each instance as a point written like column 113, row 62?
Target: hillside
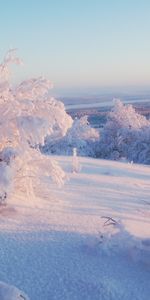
column 56, row 246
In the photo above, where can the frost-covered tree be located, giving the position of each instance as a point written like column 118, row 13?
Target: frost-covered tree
column 121, row 131
column 139, row 149
column 80, row 136
column 28, row 115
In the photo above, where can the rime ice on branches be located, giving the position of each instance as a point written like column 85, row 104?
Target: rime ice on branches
column 28, row 115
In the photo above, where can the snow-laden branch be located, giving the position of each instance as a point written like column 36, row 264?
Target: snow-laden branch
column 10, row 58
column 28, row 115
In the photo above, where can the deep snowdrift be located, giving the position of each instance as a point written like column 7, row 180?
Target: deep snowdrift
column 55, row 246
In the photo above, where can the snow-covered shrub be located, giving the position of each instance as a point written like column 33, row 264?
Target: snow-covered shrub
column 122, row 133
column 75, row 162
column 115, row 238
column 139, row 150
column 28, row 115
column 80, row 136
column 9, row 292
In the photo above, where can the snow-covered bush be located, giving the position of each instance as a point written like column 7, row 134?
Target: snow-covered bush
column 115, row 238
column 80, row 136
column 139, row 150
column 9, row 292
column 75, row 162
column 28, row 115
column 123, row 133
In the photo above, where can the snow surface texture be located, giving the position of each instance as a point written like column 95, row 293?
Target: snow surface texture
column 9, row 292
column 58, row 245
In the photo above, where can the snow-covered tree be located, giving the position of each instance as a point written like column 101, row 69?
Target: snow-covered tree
column 80, row 136
column 121, row 131
column 125, row 116
column 139, row 150
column 28, row 115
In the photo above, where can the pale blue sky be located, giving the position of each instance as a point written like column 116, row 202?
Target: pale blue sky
column 79, row 43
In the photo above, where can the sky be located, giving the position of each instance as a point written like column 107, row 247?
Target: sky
column 79, row 44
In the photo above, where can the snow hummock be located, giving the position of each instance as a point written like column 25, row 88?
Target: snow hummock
column 9, row 292
column 64, row 244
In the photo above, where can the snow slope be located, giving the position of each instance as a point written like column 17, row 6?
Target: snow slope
column 56, row 246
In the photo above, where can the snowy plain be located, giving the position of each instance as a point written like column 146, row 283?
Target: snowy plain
column 55, row 246
column 100, row 103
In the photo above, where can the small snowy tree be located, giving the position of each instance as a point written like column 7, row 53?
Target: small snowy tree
column 28, row 115
column 121, row 131
column 139, row 150
column 80, row 136
column 75, row 161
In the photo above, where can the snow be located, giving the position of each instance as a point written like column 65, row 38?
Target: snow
column 56, row 245
column 108, row 103
column 8, row 292
column 28, row 115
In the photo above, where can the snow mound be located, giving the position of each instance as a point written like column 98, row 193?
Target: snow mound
column 9, row 292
